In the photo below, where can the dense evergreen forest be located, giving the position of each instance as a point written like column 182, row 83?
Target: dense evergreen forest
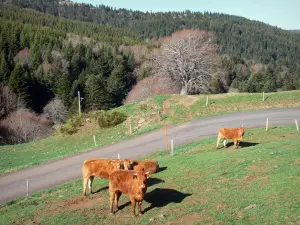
column 61, row 56
column 46, row 56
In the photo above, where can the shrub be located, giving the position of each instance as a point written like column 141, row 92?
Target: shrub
column 71, row 126
column 110, row 119
column 21, row 126
column 56, row 111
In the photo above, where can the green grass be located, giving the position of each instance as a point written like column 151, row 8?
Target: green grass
column 173, row 109
column 256, row 184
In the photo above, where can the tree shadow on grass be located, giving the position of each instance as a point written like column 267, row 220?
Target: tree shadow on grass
column 161, row 197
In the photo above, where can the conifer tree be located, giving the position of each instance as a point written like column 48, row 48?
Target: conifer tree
column 4, row 69
column 117, row 84
column 97, row 96
column 63, row 88
column 18, row 83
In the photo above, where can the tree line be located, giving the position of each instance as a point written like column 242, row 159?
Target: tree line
column 39, row 61
column 242, row 42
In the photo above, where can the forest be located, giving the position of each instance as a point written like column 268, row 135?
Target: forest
column 57, row 48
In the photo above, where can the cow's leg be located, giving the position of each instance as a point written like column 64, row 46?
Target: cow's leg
column 133, row 203
column 85, row 181
column 238, row 143
column 219, row 138
column 140, row 207
column 90, row 183
column 118, row 195
column 224, row 143
column 111, row 199
column 235, row 143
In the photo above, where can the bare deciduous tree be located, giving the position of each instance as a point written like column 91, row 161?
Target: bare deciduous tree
column 8, row 101
column 189, row 59
column 56, row 111
column 153, row 85
column 21, row 126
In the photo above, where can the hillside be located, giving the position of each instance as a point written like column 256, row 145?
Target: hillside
column 247, row 46
column 102, row 53
column 55, row 57
column 256, row 184
column 295, row 31
column 144, row 117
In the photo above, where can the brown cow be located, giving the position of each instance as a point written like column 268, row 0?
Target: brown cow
column 147, row 165
column 236, row 134
column 99, row 168
column 128, row 182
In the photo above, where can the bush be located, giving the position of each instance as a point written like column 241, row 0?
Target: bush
column 110, row 119
column 71, row 126
column 22, row 126
column 56, row 111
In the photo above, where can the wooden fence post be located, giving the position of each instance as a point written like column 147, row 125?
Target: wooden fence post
column 95, row 140
column 167, row 140
column 267, row 124
column 297, row 127
column 206, row 100
column 27, row 187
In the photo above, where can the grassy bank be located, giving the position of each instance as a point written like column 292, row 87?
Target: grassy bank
column 256, row 184
column 144, row 118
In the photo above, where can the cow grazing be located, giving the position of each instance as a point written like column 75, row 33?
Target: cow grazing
column 147, row 165
column 98, row 168
column 235, row 134
column 128, row 182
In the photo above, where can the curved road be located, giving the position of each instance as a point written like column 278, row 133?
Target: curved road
column 51, row 174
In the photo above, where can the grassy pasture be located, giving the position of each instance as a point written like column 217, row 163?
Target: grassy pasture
column 143, row 116
column 256, row 184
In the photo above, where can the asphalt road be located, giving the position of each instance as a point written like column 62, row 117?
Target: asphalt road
column 13, row 185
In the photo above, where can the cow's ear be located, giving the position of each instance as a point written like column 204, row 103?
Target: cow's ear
column 134, row 175
column 147, row 174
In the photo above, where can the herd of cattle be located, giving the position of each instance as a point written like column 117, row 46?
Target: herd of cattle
column 130, row 176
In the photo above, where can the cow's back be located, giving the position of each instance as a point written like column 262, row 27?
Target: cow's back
column 147, row 165
column 97, row 167
column 121, row 180
column 229, row 133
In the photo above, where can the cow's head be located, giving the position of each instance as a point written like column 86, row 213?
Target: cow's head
column 141, row 180
column 129, row 164
column 242, row 131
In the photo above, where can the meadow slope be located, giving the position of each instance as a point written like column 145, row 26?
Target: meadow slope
column 256, row 184
column 173, row 109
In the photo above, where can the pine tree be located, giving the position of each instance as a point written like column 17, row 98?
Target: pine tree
column 63, row 89
column 4, row 70
column 117, row 84
column 18, row 83
column 97, row 96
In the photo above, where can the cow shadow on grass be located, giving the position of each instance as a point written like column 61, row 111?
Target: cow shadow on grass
column 243, row 144
column 100, row 189
column 161, row 197
column 153, row 181
column 162, row 169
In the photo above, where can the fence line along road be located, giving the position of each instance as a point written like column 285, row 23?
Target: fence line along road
column 51, row 174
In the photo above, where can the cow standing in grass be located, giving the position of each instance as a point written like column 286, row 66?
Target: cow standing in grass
column 147, row 165
column 128, row 182
column 101, row 168
column 235, row 134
